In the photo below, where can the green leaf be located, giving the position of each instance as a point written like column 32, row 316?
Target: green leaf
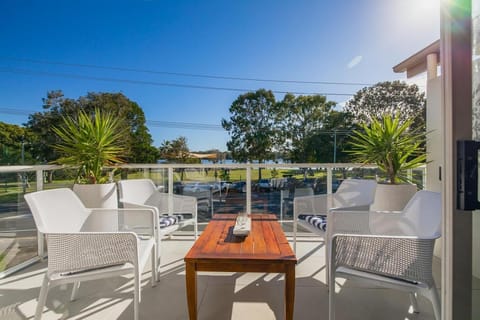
column 390, row 144
column 90, row 143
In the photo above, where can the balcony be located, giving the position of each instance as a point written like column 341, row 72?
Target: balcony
column 220, row 295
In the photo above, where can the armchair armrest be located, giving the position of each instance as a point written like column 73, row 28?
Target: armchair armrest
column 318, row 204
column 321, row 204
column 181, row 204
column 377, row 223
column 141, row 220
column 347, row 222
column 185, row 204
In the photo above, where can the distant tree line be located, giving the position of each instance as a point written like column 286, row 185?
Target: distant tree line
column 37, row 137
column 296, row 128
column 14, row 144
column 309, row 128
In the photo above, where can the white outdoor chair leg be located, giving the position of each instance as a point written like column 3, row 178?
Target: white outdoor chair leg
column 433, row 296
column 331, row 297
column 159, row 258
column 331, row 281
column 414, row 302
column 154, row 266
column 76, row 286
column 136, row 294
column 42, row 298
column 328, row 257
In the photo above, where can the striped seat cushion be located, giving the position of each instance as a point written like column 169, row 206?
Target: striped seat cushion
column 170, row 220
column 166, row 221
column 318, row 221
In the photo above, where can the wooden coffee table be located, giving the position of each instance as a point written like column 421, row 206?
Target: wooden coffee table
column 265, row 249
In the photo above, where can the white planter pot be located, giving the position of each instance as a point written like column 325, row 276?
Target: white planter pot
column 97, row 195
column 392, row 197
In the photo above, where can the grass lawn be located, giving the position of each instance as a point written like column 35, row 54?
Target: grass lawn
column 209, row 175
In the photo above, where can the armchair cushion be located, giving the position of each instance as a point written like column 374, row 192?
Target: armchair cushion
column 170, row 220
column 166, row 221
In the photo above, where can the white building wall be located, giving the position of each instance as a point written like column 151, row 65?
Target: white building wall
column 434, row 141
column 435, row 135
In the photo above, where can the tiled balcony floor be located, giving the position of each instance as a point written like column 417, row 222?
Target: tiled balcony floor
column 221, row 295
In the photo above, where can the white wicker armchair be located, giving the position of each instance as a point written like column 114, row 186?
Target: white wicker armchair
column 142, row 193
column 88, row 244
column 394, row 250
column 311, row 212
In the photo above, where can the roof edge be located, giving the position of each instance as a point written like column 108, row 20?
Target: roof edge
column 418, row 59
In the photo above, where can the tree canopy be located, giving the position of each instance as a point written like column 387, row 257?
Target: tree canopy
column 388, row 98
column 137, row 139
column 176, row 150
column 328, row 144
column 252, row 126
column 13, row 141
column 301, row 118
column 299, row 127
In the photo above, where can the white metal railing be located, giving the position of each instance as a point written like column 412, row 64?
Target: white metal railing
column 248, row 167
column 41, row 170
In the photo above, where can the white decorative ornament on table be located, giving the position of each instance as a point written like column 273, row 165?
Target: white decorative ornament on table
column 243, row 225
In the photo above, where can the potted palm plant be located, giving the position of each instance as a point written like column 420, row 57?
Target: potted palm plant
column 394, row 147
column 89, row 143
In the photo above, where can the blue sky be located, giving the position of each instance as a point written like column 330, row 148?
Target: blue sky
column 353, row 41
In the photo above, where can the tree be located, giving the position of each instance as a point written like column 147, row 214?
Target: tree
column 137, row 140
column 55, row 105
column 252, row 126
column 175, row 150
column 15, row 142
column 388, row 98
column 328, row 143
column 300, row 119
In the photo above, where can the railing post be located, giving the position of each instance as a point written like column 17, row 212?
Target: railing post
column 39, row 174
column 211, row 202
column 410, row 174
column 329, row 180
column 424, row 177
column 249, row 189
column 40, row 236
column 145, row 172
column 281, row 204
column 170, row 189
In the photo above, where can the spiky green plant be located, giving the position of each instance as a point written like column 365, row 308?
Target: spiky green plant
column 393, row 146
column 90, row 143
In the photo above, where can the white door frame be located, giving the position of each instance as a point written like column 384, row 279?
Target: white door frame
column 456, row 58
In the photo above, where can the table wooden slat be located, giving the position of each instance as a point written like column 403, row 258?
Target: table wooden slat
column 266, row 241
